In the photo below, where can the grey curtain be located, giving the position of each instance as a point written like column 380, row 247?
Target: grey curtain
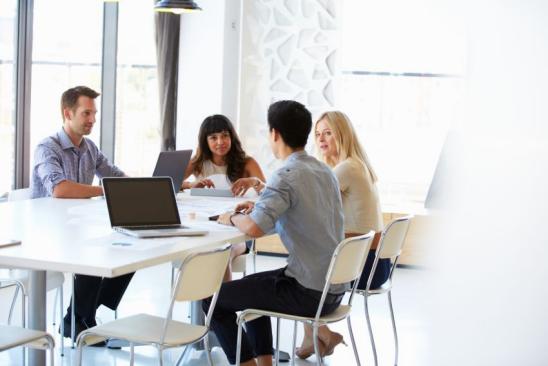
column 167, row 52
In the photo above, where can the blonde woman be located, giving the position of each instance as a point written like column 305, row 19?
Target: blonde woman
column 338, row 146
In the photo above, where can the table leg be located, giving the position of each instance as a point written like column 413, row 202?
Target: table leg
column 37, row 312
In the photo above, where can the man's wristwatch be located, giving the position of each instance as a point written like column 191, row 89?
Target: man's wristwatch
column 231, row 216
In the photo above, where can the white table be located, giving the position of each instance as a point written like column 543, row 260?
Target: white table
column 74, row 235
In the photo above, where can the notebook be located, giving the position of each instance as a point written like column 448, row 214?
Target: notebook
column 173, row 164
column 222, row 187
column 144, row 207
column 213, row 192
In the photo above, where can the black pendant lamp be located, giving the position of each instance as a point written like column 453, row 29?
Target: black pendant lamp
column 177, row 6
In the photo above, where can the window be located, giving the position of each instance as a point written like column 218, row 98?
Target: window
column 8, row 23
column 401, row 66
column 67, row 47
column 138, row 136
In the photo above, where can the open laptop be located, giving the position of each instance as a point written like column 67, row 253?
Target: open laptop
column 173, row 164
column 144, row 207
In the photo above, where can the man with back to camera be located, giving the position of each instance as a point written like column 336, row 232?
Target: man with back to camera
column 64, row 167
column 302, row 203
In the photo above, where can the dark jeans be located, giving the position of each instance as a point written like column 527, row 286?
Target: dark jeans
column 91, row 291
column 381, row 273
column 272, row 291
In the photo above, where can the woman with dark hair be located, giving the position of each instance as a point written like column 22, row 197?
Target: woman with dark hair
column 220, row 152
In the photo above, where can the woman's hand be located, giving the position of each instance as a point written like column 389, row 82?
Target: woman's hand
column 240, row 187
column 203, row 183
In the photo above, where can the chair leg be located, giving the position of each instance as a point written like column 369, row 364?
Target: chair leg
column 160, row 357
column 132, row 354
column 294, row 341
column 79, row 350
column 316, row 345
column 24, row 322
column 352, row 339
column 54, row 315
column 254, row 251
column 61, row 320
column 72, row 315
column 23, row 310
column 51, row 346
column 183, row 355
column 13, row 301
column 396, row 346
column 370, row 330
column 277, row 356
column 172, row 279
column 208, row 350
column 239, row 343
column 115, row 313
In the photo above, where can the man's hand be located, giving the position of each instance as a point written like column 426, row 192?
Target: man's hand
column 225, row 218
column 70, row 189
column 245, row 207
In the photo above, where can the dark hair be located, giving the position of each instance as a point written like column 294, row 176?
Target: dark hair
column 292, row 120
column 236, row 157
column 69, row 99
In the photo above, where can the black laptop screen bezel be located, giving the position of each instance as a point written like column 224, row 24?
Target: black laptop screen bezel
column 162, row 180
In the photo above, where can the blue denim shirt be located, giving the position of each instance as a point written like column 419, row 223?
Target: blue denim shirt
column 302, row 203
column 57, row 159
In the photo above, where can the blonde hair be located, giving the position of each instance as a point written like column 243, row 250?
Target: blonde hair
column 348, row 145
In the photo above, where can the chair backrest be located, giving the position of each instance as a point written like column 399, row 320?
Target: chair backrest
column 349, row 258
column 393, row 237
column 347, row 264
column 201, row 274
column 19, row 194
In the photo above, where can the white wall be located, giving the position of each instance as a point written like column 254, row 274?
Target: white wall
column 288, row 52
column 208, row 67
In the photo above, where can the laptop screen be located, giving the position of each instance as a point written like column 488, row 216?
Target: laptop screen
column 141, row 201
column 173, row 164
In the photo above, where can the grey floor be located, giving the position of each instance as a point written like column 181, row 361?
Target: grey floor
column 149, row 292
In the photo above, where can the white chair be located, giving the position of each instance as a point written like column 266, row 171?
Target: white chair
column 11, row 337
column 390, row 247
column 239, row 264
column 199, row 276
column 346, row 266
column 19, row 194
column 54, row 280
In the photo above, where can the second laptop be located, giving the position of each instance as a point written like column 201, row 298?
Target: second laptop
column 144, row 207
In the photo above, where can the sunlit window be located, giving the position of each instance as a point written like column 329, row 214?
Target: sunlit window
column 137, row 109
column 67, row 48
column 8, row 10
column 401, row 81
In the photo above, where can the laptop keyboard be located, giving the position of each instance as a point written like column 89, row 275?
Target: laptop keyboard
column 153, row 227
